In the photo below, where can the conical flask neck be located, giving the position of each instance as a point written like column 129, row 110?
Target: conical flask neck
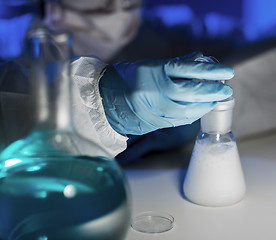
column 50, row 80
column 219, row 120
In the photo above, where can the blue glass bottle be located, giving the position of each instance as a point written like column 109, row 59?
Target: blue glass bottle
column 54, row 184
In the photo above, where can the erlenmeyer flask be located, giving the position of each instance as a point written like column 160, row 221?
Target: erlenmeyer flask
column 214, row 176
column 55, row 184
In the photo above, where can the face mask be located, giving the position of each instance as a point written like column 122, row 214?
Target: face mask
column 101, row 31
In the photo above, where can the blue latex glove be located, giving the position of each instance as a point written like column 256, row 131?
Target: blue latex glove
column 147, row 95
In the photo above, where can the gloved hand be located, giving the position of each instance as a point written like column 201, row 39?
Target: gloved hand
column 147, row 95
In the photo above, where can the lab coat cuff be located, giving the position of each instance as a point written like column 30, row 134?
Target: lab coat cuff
column 86, row 73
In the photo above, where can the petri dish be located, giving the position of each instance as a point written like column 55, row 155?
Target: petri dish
column 152, row 222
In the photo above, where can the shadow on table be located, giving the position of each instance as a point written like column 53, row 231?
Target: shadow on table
column 177, row 158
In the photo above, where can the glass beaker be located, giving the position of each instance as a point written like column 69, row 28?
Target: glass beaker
column 54, row 184
column 215, row 176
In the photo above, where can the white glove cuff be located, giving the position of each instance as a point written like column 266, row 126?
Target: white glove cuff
column 86, row 73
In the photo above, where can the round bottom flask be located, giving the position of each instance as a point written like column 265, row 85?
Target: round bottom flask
column 47, row 193
column 214, row 176
column 54, row 184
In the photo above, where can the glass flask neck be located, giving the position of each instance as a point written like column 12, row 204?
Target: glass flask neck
column 219, row 120
column 50, row 80
column 215, row 138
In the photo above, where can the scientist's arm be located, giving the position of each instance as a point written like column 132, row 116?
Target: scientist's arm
column 140, row 97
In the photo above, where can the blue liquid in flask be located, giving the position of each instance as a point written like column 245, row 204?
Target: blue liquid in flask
column 63, row 198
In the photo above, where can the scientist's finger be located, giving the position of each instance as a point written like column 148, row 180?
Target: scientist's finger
column 198, row 70
column 181, row 113
column 192, row 56
column 193, row 91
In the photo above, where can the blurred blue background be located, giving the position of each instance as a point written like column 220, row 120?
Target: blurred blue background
column 170, row 27
column 215, row 27
column 255, row 18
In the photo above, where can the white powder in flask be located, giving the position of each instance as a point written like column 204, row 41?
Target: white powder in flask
column 214, row 176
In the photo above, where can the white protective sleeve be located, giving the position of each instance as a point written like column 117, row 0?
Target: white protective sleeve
column 88, row 112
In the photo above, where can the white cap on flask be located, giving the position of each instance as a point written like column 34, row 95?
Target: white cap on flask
column 219, row 120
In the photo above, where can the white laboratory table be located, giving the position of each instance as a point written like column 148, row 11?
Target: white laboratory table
column 158, row 188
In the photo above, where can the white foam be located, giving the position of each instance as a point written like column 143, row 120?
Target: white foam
column 214, row 176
